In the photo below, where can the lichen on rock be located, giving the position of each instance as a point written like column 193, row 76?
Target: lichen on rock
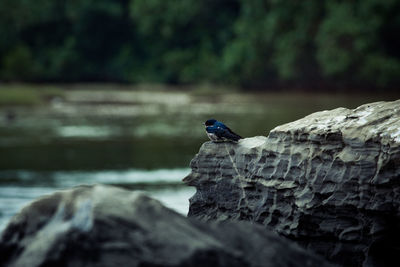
column 330, row 181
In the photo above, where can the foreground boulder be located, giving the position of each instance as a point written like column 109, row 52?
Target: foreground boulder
column 107, row 226
column 331, row 181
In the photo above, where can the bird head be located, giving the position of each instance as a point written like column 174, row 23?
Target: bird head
column 210, row 122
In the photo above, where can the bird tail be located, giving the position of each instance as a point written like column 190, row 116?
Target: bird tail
column 236, row 137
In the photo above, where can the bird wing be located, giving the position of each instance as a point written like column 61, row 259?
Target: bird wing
column 226, row 133
column 233, row 133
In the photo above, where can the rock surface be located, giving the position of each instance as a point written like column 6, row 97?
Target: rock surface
column 106, row 226
column 331, row 181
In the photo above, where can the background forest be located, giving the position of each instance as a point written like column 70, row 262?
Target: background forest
column 258, row 43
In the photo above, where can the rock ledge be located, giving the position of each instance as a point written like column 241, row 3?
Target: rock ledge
column 330, row 181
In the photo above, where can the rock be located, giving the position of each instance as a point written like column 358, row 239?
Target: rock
column 330, row 181
column 106, row 226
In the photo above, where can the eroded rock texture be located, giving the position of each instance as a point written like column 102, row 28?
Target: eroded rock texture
column 106, row 226
column 331, row 181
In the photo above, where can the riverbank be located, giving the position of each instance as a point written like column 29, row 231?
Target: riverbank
column 15, row 94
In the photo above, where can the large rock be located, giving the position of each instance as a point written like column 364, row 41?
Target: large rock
column 331, row 181
column 107, row 226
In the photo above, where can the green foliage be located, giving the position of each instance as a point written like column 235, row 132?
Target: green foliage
column 351, row 45
column 18, row 63
column 185, row 38
column 343, row 38
column 237, row 42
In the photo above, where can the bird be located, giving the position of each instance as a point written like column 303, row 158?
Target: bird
column 219, row 132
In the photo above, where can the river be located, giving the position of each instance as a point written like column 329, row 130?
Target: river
column 139, row 140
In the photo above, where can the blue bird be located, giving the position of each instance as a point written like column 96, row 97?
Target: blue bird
column 219, row 132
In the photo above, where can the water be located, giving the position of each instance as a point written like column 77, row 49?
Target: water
column 23, row 186
column 139, row 140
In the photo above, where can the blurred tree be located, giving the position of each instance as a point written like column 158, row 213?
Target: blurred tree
column 184, row 38
column 101, row 29
column 351, row 42
column 273, row 42
column 263, row 43
column 18, row 62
